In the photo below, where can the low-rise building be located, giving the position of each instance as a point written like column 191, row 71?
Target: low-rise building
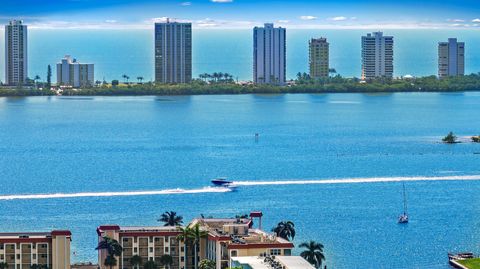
column 22, row 250
column 150, row 243
column 236, row 237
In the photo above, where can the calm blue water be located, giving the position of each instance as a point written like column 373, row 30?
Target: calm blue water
column 69, row 145
column 118, row 52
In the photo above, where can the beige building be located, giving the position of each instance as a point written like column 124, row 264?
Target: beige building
column 21, row 250
column 451, row 58
column 227, row 238
column 236, row 237
column 319, row 58
column 150, row 243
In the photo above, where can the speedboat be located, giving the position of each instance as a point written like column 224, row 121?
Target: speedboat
column 221, row 182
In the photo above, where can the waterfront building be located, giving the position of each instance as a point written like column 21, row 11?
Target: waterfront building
column 377, row 56
column 227, row 238
column 451, row 58
column 173, row 52
column 261, row 262
column 236, row 237
column 319, row 58
column 21, row 250
column 72, row 73
column 269, row 55
column 16, row 60
column 150, row 243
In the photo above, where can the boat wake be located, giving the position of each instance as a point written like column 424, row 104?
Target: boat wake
column 110, row 194
column 357, row 180
column 235, row 184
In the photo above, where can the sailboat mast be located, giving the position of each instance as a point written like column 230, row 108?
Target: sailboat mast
column 404, row 200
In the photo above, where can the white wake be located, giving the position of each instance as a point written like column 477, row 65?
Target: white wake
column 357, row 180
column 109, row 194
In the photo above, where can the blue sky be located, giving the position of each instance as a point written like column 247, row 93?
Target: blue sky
column 374, row 14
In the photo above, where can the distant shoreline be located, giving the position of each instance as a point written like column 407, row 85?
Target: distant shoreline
column 469, row 83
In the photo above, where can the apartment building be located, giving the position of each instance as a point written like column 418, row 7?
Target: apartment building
column 377, row 56
column 150, row 243
column 16, row 60
column 269, row 55
column 75, row 74
column 451, row 58
column 319, row 58
column 22, row 250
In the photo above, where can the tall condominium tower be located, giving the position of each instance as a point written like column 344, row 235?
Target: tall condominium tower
column 318, row 58
column 173, row 52
column 72, row 73
column 269, row 61
column 377, row 56
column 16, row 70
column 451, row 58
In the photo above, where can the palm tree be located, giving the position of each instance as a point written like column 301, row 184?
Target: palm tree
column 3, row 265
column 313, row 253
column 196, row 234
column 136, row 261
column 37, row 77
column 285, row 230
column 113, row 249
column 126, row 78
column 110, row 261
column 150, row 265
column 171, row 219
column 207, row 264
column 184, row 237
column 166, row 260
column 140, row 79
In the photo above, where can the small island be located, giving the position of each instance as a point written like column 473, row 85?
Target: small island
column 450, row 139
column 476, row 139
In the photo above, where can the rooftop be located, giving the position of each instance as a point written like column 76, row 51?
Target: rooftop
column 286, row 262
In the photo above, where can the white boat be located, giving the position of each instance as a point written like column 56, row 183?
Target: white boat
column 404, row 217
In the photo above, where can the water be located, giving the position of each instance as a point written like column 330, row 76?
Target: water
column 76, row 163
column 118, row 52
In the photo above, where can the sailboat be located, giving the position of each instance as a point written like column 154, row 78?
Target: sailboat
column 404, row 217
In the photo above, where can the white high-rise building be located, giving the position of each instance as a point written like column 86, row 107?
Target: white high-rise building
column 72, row 73
column 16, row 60
column 173, row 52
column 269, row 55
column 377, row 56
column 451, row 58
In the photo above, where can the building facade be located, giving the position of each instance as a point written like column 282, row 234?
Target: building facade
column 173, row 52
column 227, row 238
column 377, row 56
column 72, row 73
column 21, row 250
column 451, row 58
column 150, row 243
column 319, row 58
column 269, row 55
column 269, row 262
column 16, row 60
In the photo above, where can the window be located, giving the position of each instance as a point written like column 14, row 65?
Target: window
column 166, row 249
column 234, row 253
column 287, row 252
column 275, row 251
column 151, row 250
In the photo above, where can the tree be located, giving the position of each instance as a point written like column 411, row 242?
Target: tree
column 140, row 79
column 49, row 77
column 196, row 234
column 166, row 260
column 113, row 249
column 313, row 253
column 150, row 265
column 115, row 83
column 3, row 265
column 171, row 219
column 184, row 237
column 476, row 139
column 98, row 83
column 125, row 78
column 285, row 230
column 450, row 138
column 207, row 264
column 136, row 261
